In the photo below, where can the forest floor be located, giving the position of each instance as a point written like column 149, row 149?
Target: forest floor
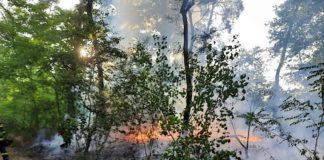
column 119, row 150
column 16, row 154
column 122, row 151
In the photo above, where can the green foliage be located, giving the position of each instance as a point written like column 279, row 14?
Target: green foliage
column 309, row 114
column 298, row 26
column 146, row 87
column 215, row 83
column 91, row 106
column 198, row 147
column 317, row 75
column 147, row 90
column 31, row 42
column 262, row 121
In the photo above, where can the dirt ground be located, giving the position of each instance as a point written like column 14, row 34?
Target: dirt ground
column 118, row 151
column 16, row 155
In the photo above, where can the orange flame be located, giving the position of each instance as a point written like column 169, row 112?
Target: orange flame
column 253, row 139
column 142, row 137
column 148, row 132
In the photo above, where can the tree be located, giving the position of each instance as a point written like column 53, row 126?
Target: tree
column 186, row 6
column 149, row 90
column 93, row 100
column 294, row 31
column 41, row 58
column 32, row 53
column 215, row 84
column 146, row 90
column 309, row 113
column 205, row 29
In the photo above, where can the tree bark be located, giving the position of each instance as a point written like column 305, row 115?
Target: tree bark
column 248, row 141
column 192, row 30
column 318, row 128
column 186, row 6
column 276, row 85
column 97, row 52
column 70, row 102
column 100, row 105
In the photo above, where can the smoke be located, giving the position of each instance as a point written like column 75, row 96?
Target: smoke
column 138, row 20
column 49, row 148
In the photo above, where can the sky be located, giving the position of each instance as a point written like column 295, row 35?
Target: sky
column 251, row 24
column 68, row 4
column 251, row 27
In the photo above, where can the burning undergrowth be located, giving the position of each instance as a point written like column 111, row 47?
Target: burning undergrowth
column 49, row 148
column 128, row 142
column 131, row 143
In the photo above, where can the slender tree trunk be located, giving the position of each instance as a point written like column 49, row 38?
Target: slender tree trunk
column 322, row 92
column 97, row 54
column 276, row 85
column 245, row 147
column 35, row 118
column 71, row 94
column 208, row 27
column 186, row 6
column 192, row 31
column 100, row 102
column 247, row 142
column 70, row 102
column 57, row 101
column 318, row 129
column 211, row 16
column 274, row 101
column 101, row 86
column 72, row 82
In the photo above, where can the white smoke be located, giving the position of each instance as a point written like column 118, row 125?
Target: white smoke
column 50, row 147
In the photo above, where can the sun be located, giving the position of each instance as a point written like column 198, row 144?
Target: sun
column 68, row 5
column 84, row 52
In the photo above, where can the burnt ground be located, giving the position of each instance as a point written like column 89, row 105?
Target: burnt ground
column 118, row 151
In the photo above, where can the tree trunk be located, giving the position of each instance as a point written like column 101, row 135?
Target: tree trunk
column 186, row 6
column 275, row 91
column 70, row 102
column 210, row 20
column 322, row 91
column 72, row 70
column 208, row 27
column 318, row 128
column 274, row 101
column 57, row 101
column 97, row 53
column 100, row 102
column 248, row 141
column 276, row 85
column 192, row 30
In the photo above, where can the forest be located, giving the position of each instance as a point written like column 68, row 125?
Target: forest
column 162, row 79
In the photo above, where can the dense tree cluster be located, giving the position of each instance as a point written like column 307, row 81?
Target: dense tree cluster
column 65, row 71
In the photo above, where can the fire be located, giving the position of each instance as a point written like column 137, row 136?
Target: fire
column 142, row 137
column 252, row 138
column 147, row 133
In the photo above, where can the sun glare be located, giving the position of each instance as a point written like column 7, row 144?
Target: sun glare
column 68, row 4
column 83, row 52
